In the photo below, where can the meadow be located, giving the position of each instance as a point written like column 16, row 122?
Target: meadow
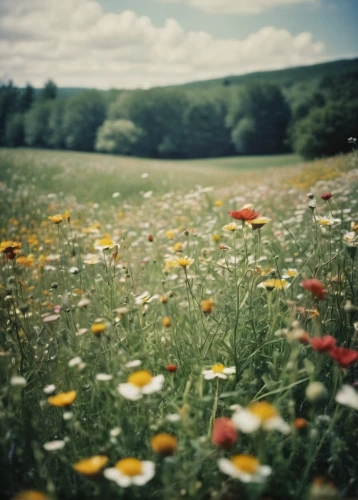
column 178, row 329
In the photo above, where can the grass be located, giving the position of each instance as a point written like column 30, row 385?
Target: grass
column 86, row 320
column 95, row 177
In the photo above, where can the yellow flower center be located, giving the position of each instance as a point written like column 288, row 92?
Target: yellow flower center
column 245, row 463
column 31, row 495
column 184, row 261
column 140, row 378
column 263, row 410
column 129, row 466
column 164, row 444
column 105, row 242
column 63, row 399
column 274, row 283
column 292, row 272
column 91, row 466
column 98, row 328
column 218, row 368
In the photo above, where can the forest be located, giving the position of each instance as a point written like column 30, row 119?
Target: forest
column 310, row 113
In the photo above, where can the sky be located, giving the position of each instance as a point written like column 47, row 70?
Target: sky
column 145, row 43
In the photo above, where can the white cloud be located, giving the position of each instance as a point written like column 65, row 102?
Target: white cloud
column 76, row 43
column 237, row 6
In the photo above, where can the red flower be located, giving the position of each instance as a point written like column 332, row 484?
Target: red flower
column 171, row 368
column 324, row 343
column 245, row 214
column 326, row 196
column 224, row 433
column 316, row 287
column 344, row 357
column 150, row 238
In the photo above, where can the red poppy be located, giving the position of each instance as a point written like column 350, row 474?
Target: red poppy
column 224, row 433
column 245, row 214
column 316, row 287
column 324, row 343
column 171, row 368
column 344, row 357
column 326, row 196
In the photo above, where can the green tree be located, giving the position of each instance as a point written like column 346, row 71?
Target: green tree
column 55, row 124
column 325, row 131
column 37, row 132
column 84, row 113
column 14, row 132
column 26, row 98
column 266, row 114
column 49, row 92
column 9, row 98
column 118, row 136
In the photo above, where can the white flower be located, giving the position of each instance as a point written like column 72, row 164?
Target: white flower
column 145, row 298
column 68, row 415
column 103, row 377
column 115, row 432
column 259, row 415
column 75, row 361
column 74, row 270
column 133, row 364
column 49, row 389
column 18, row 381
column 246, row 468
column 139, row 383
column 218, row 371
column 173, row 417
column 54, row 445
column 131, row 471
column 347, row 396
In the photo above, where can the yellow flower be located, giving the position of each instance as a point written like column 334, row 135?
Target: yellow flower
column 178, row 247
column 216, row 237
column 91, row 466
column 164, row 444
column 207, row 306
column 98, row 328
column 30, row 495
column 55, row 219
column 9, row 246
column 184, row 261
column 67, row 215
column 354, row 227
column 167, row 322
column 230, row 227
column 104, row 243
column 274, row 284
column 170, row 234
column 218, row 203
column 62, row 399
column 26, row 261
column 258, row 223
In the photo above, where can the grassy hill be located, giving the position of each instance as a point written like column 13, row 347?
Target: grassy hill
column 283, row 77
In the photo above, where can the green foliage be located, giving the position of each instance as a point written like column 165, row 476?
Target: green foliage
column 83, row 114
column 49, row 92
column 266, row 114
column 56, row 131
column 26, row 98
column 37, row 132
column 8, row 105
column 14, row 132
column 325, row 131
column 118, row 136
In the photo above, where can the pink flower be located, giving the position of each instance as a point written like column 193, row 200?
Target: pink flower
column 316, row 287
column 224, row 433
column 322, row 344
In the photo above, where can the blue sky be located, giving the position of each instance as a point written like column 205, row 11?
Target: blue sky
column 144, row 43
column 335, row 22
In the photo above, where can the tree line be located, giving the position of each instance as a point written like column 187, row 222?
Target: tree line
column 314, row 119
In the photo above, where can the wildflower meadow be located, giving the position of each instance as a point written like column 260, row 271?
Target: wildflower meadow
column 178, row 333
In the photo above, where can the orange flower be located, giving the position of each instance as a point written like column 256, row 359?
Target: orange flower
column 91, row 466
column 207, row 306
column 245, row 214
column 167, row 322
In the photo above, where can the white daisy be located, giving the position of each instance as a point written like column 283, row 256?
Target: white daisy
column 18, row 381
column 139, row 383
column 218, row 371
column 246, row 468
column 49, row 389
column 54, row 445
column 259, row 415
column 131, row 471
column 133, row 364
column 347, row 396
column 103, row 377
